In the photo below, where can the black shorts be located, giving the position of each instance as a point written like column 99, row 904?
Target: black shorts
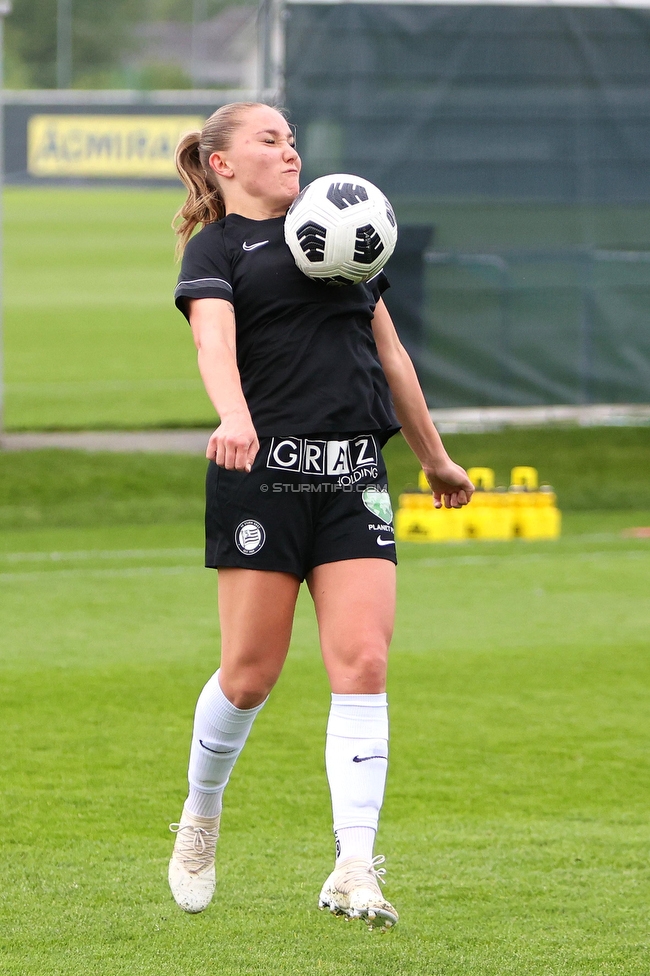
column 307, row 501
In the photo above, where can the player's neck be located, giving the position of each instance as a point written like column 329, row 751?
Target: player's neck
column 255, row 208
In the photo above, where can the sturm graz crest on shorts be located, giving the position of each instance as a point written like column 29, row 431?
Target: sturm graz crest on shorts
column 368, row 245
column 312, row 240
column 249, row 537
column 344, row 195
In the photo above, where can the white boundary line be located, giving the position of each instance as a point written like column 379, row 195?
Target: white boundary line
column 478, row 419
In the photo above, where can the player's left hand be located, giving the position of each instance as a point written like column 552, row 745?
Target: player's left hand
column 449, row 484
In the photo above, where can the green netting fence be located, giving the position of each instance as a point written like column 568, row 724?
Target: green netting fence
column 514, row 142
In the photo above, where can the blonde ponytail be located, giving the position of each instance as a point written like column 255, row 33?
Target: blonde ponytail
column 204, row 203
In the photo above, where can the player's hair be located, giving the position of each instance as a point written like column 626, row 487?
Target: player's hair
column 204, row 203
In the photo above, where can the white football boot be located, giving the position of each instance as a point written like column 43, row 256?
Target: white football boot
column 352, row 889
column 192, row 876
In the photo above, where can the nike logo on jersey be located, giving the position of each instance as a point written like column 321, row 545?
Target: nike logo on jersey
column 384, row 542
column 366, row 758
column 252, row 247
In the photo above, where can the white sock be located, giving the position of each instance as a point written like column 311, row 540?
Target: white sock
column 355, row 842
column 220, row 732
column 356, row 757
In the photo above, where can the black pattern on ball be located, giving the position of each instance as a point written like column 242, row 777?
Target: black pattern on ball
column 297, row 200
column 344, row 195
column 368, row 245
column 311, row 237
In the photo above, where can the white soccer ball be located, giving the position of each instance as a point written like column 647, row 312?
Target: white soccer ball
column 341, row 229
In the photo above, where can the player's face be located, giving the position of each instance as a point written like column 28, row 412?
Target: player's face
column 262, row 159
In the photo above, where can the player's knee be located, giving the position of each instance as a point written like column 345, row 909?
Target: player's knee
column 373, row 670
column 366, row 662
column 247, row 689
column 249, row 699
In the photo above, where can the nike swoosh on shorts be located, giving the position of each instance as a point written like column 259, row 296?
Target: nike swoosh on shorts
column 384, row 542
column 366, row 758
column 251, row 247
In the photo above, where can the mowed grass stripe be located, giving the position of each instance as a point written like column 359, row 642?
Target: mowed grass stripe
column 532, row 557
column 523, row 602
column 100, row 573
column 78, row 387
column 82, row 554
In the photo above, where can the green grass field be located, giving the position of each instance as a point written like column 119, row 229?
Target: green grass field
column 516, row 821
column 92, row 335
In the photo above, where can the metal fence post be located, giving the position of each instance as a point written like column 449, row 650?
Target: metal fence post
column 63, row 43
column 5, row 9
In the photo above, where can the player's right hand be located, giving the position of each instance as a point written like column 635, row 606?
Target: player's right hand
column 234, row 444
column 449, row 483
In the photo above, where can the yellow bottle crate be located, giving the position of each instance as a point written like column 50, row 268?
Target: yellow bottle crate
column 416, row 500
column 434, row 525
column 525, row 511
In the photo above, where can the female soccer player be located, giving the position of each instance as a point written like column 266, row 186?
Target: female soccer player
column 308, row 381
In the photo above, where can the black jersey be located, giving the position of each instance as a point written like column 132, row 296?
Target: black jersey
column 305, row 350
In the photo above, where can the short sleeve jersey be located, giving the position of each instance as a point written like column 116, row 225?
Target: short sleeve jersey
column 305, row 350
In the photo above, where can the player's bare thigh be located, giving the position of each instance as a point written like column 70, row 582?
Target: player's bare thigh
column 355, row 608
column 256, row 609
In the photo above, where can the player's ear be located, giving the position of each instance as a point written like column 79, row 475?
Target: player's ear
column 218, row 163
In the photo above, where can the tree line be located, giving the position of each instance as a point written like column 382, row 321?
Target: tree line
column 101, row 39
